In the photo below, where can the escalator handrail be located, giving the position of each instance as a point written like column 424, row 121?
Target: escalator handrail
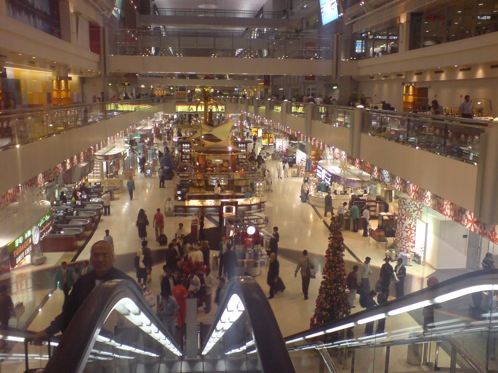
column 268, row 339
column 445, row 287
column 80, row 335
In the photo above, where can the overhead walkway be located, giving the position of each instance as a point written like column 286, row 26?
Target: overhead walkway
column 116, row 331
column 156, row 53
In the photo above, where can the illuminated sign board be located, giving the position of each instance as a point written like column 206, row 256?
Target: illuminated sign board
column 186, row 108
column 323, row 174
column 19, row 251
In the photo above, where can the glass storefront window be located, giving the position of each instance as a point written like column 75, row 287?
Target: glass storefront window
column 453, row 21
column 375, row 43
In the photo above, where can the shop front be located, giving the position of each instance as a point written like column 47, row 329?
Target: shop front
column 22, row 233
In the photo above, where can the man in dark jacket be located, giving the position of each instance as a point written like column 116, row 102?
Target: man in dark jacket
column 101, row 259
column 386, row 275
column 352, row 284
column 273, row 272
column 274, row 240
column 370, row 303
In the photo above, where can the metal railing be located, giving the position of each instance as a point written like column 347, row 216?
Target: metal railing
column 18, row 127
column 205, row 43
column 450, row 324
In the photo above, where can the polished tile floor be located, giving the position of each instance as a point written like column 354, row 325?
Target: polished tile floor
column 300, row 225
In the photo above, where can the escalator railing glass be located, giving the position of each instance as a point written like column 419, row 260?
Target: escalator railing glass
column 453, row 325
column 114, row 329
column 245, row 333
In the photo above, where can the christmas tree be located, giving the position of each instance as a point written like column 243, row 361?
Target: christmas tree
column 332, row 301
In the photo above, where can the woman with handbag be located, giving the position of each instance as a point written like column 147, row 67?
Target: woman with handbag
column 304, row 265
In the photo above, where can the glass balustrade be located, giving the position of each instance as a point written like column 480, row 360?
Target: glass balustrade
column 25, row 126
column 450, row 137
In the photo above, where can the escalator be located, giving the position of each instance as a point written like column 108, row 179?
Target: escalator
column 115, row 331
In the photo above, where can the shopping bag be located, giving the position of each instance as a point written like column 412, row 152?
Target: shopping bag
column 312, row 272
column 279, row 286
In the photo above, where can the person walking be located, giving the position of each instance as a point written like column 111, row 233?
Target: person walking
column 354, row 214
column 130, row 186
column 304, row 266
column 64, row 279
column 286, row 169
column 341, row 210
column 274, row 240
column 208, row 283
column 466, row 108
column 280, row 169
column 386, row 275
column 328, row 204
column 365, row 275
column 273, row 272
column 180, row 293
column 352, row 285
column 230, row 262
column 141, row 266
column 142, row 223
column 399, row 285
column 106, row 202
column 366, row 219
column 223, row 247
column 6, row 306
column 108, row 238
column 161, row 177
column 168, row 310
column 158, row 223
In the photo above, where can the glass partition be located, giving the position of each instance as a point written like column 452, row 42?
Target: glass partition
column 450, row 137
column 23, row 127
column 115, row 329
column 335, row 115
column 203, row 43
column 244, row 334
column 452, row 325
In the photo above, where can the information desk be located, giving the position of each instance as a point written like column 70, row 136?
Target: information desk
column 318, row 199
column 212, row 205
column 213, row 196
column 67, row 240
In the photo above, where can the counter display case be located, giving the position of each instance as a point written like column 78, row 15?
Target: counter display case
column 185, row 149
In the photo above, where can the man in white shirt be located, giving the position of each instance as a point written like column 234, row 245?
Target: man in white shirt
column 106, row 201
column 181, row 232
column 365, row 275
column 366, row 218
column 466, row 108
column 340, row 213
column 108, row 238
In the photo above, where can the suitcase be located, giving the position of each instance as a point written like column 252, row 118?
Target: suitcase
column 163, row 240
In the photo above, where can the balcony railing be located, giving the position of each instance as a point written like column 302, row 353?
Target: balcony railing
column 205, row 43
column 447, row 136
column 25, row 126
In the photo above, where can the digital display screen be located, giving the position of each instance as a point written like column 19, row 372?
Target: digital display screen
column 329, row 11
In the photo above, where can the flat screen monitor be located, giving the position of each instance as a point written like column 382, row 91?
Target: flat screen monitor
column 329, row 11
